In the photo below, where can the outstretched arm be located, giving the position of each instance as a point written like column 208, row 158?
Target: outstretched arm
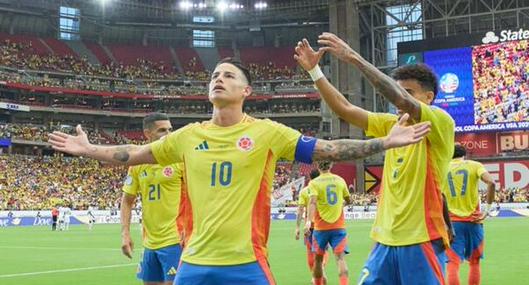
column 347, row 149
column 382, row 82
column 120, row 154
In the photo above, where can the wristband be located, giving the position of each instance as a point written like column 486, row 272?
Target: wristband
column 316, row 73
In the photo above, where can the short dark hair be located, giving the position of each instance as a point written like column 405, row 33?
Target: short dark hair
column 459, row 151
column 420, row 72
column 324, row 165
column 148, row 121
column 314, row 173
column 239, row 65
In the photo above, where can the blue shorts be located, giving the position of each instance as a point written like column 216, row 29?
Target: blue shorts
column 247, row 274
column 337, row 239
column 159, row 265
column 418, row 264
column 468, row 243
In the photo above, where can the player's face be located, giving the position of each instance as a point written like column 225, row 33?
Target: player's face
column 228, row 86
column 416, row 90
column 158, row 130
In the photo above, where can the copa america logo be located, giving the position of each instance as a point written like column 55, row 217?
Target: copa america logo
column 449, row 83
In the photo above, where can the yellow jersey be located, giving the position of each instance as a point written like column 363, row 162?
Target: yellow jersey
column 228, row 175
column 159, row 188
column 330, row 191
column 410, row 208
column 462, row 195
column 304, row 198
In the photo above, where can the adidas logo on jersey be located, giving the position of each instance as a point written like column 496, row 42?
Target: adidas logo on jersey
column 202, row 146
column 171, row 271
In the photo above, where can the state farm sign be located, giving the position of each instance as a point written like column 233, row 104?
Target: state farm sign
column 508, row 142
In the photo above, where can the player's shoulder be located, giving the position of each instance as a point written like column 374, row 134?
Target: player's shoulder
column 440, row 113
column 473, row 163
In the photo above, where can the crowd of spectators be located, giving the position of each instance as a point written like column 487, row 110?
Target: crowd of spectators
column 39, row 133
column 501, row 88
column 509, row 195
column 34, row 183
column 145, row 77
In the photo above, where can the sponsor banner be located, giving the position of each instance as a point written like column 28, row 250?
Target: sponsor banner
column 32, row 221
column 511, row 126
column 514, row 141
column 29, row 218
column 511, row 174
column 372, row 178
column 15, row 107
column 5, row 142
column 283, row 194
column 372, row 214
column 478, row 144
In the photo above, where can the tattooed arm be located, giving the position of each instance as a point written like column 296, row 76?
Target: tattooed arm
column 382, row 82
column 80, row 146
column 345, row 149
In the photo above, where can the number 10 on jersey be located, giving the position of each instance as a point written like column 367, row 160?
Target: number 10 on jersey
column 221, row 173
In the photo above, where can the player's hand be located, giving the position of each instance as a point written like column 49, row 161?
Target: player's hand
column 127, row 246
column 305, row 55
column 74, row 145
column 481, row 218
column 307, row 228
column 297, row 233
column 336, row 46
column 402, row 135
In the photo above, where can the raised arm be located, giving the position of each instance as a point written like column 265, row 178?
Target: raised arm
column 308, row 59
column 120, row 154
column 347, row 149
column 384, row 84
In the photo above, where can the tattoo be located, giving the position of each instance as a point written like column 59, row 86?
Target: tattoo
column 390, row 89
column 340, row 150
column 122, row 154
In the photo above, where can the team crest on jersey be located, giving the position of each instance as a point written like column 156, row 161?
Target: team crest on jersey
column 245, row 143
column 168, row 171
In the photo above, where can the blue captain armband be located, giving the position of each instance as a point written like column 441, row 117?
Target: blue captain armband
column 305, row 149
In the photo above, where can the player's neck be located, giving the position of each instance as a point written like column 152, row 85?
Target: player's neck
column 227, row 116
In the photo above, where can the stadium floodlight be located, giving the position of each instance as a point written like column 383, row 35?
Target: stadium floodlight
column 222, row 6
column 260, row 5
column 202, row 5
column 185, row 5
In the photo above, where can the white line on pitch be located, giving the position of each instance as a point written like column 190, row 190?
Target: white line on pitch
column 67, row 248
column 66, row 270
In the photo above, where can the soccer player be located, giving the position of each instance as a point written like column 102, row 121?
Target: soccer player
column 159, row 188
column 54, row 216
column 464, row 205
column 61, row 217
column 327, row 195
column 229, row 167
column 409, row 229
column 91, row 218
column 67, row 217
column 302, row 214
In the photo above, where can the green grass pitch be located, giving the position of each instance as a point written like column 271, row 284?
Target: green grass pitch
column 35, row 255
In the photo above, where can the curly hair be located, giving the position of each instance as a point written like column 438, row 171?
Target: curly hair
column 420, row 72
